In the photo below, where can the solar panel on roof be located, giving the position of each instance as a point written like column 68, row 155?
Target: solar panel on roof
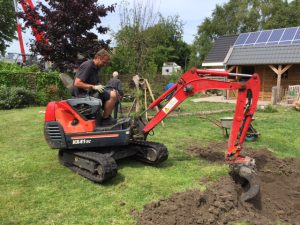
column 284, row 36
column 260, row 44
column 289, row 34
column 276, row 35
column 264, row 36
column 241, row 39
column 272, row 43
column 296, row 42
column 297, row 36
column 252, row 38
column 285, row 42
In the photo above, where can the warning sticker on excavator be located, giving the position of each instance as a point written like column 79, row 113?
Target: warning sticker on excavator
column 168, row 107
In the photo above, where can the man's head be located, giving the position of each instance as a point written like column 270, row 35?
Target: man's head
column 102, row 58
column 115, row 74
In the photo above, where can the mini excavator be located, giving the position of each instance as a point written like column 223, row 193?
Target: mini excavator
column 92, row 151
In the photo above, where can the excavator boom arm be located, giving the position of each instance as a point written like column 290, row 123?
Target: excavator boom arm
column 196, row 80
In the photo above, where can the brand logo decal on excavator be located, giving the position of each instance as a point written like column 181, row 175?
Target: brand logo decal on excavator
column 168, row 107
column 81, row 141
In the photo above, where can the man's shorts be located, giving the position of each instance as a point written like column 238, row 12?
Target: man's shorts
column 104, row 96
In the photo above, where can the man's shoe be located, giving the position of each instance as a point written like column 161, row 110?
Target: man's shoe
column 108, row 121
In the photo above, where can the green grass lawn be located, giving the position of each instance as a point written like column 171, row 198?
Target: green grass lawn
column 36, row 189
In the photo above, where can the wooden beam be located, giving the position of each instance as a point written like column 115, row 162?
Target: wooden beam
column 279, row 72
column 274, row 69
column 263, row 76
column 285, row 69
column 152, row 96
column 278, row 83
column 230, row 69
column 145, row 102
column 133, row 104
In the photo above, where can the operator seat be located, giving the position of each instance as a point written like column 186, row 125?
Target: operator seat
column 88, row 107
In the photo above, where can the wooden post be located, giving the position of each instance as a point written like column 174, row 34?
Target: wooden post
column 145, row 99
column 229, row 70
column 133, row 104
column 278, row 82
column 152, row 96
column 136, row 79
column 279, row 72
column 263, row 76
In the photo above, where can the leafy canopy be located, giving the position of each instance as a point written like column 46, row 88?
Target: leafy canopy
column 147, row 39
column 69, row 28
column 7, row 24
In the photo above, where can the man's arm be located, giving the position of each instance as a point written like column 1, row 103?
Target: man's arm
column 80, row 84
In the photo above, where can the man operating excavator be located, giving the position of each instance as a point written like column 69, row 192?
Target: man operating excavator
column 87, row 82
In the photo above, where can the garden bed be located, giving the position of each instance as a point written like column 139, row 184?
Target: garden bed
column 277, row 202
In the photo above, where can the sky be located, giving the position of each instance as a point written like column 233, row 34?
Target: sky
column 191, row 12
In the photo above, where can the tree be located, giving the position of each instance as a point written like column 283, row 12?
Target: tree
column 234, row 17
column 278, row 14
column 7, row 24
column 132, row 37
column 166, row 43
column 69, row 28
column 147, row 40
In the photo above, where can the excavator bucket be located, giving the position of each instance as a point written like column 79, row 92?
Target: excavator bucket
column 252, row 187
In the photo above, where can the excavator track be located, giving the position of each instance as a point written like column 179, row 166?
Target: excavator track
column 94, row 166
column 99, row 166
column 149, row 152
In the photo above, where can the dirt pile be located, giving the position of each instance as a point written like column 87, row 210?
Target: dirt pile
column 279, row 199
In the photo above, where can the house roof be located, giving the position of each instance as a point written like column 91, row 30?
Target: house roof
column 219, row 51
column 268, row 54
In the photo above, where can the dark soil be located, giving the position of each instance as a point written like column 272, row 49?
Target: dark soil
column 278, row 201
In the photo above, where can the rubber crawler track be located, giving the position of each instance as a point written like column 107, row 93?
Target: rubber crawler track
column 151, row 153
column 161, row 152
column 107, row 163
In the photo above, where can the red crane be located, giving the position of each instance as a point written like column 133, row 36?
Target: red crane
column 38, row 35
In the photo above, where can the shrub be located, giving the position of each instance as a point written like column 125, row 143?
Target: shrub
column 15, row 68
column 47, row 86
column 268, row 109
column 15, row 97
column 51, row 93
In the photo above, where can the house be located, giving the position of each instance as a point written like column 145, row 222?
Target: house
column 169, row 68
column 273, row 54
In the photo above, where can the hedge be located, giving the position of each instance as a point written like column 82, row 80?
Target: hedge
column 46, row 86
column 15, row 97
